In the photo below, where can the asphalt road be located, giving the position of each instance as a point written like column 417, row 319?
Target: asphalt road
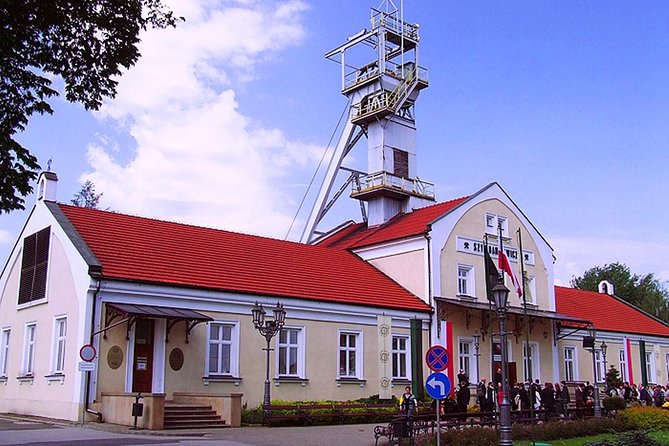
column 40, row 432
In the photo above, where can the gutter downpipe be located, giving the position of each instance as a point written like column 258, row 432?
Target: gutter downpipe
column 88, row 374
column 428, row 238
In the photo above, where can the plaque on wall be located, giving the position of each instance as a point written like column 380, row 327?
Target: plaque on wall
column 176, row 359
column 115, row 357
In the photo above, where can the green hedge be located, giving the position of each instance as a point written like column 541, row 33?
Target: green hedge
column 646, row 418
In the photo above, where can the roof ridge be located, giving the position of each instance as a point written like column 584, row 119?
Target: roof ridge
column 190, row 225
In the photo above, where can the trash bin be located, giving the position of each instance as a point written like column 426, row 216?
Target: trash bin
column 400, row 427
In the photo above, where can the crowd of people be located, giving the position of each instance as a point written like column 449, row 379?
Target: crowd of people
column 553, row 398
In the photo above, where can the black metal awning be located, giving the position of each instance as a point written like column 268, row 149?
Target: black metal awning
column 132, row 312
column 561, row 322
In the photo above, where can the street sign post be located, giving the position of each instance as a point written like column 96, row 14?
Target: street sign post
column 87, row 353
column 437, row 358
column 438, row 386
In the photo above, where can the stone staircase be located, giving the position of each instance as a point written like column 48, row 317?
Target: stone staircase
column 191, row 416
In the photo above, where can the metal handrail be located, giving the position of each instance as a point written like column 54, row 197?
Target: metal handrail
column 378, row 180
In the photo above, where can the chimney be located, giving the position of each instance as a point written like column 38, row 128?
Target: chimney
column 46, row 186
column 606, row 287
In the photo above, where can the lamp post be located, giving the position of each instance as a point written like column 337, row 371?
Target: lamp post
column 268, row 328
column 477, row 344
column 603, row 348
column 597, row 407
column 501, row 296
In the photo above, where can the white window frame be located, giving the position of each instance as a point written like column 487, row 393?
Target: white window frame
column 29, row 344
column 59, row 345
column 301, row 348
column 666, row 358
column 535, row 360
column 532, row 288
column 496, row 220
column 469, row 282
column 570, row 362
column 622, row 364
column 650, row 367
column 599, row 367
column 400, row 356
column 4, row 350
column 234, row 349
column 467, row 359
column 359, row 354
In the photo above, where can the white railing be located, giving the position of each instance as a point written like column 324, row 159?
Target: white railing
column 392, row 23
column 387, row 180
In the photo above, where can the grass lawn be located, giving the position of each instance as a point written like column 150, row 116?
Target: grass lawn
column 661, row 436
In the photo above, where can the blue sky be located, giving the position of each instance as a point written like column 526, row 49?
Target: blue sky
column 223, row 120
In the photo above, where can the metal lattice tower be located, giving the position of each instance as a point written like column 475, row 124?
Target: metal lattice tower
column 382, row 80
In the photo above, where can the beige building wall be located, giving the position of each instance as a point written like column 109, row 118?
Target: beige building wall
column 43, row 394
column 321, row 352
column 407, row 269
column 472, row 226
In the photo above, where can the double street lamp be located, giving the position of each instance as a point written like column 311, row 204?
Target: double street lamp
column 268, row 327
column 500, row 295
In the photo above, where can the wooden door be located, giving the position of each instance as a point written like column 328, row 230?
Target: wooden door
column 142, row 376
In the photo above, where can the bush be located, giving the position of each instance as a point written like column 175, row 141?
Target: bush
column 614, row 403
column 635, row 438
column 481, row 436
column 646, row 418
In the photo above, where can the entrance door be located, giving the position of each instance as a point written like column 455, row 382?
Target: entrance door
column 142, row 375
column 513, row 376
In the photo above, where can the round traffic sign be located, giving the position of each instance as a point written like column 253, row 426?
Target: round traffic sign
column 438, row 385
column 437, row 358
column 87, row 353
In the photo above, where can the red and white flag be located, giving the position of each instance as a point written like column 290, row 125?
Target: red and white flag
column 504, row 265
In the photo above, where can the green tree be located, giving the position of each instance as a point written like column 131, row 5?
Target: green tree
column 85, row 43
column 86, row 197
column 645, row 292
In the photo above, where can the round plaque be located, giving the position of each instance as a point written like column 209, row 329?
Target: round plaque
column 115, row 357
column 176, row 359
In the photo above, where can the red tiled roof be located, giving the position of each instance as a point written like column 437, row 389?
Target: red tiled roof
column 399, row 227
column 606, row 312
column 146, row 250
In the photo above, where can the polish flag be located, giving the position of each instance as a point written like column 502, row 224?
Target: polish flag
column 504, row 265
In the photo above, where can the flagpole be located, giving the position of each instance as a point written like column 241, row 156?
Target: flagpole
column 527, row 330
column 489, row 327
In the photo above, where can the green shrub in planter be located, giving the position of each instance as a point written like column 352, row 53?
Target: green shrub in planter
column 635, row 438
column 646, row 418
column 614, row 403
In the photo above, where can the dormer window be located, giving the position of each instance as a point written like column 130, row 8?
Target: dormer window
column 34, row 266
column 493, row 221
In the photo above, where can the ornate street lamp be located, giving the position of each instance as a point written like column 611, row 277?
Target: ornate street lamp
column 500, row 295
column 268, row 328
column 603, row 348
column 591, row 348
column 477, row 344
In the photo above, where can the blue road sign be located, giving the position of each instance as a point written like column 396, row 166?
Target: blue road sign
column 438, row 385
column 437, row 358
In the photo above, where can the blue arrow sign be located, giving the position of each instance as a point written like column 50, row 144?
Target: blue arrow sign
column 438, row 385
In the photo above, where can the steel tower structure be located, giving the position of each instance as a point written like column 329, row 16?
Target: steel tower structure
column 381, row 78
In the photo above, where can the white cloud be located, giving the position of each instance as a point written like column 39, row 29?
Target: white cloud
column 5, row 237
column 198, row 159
column 575, row 255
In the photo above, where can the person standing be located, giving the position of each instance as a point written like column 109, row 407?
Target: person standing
column 408, row 402
column 463, row 397
column 566, row 398
column 481, row 394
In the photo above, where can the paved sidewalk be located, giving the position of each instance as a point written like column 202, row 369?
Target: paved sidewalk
column 335, row 435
